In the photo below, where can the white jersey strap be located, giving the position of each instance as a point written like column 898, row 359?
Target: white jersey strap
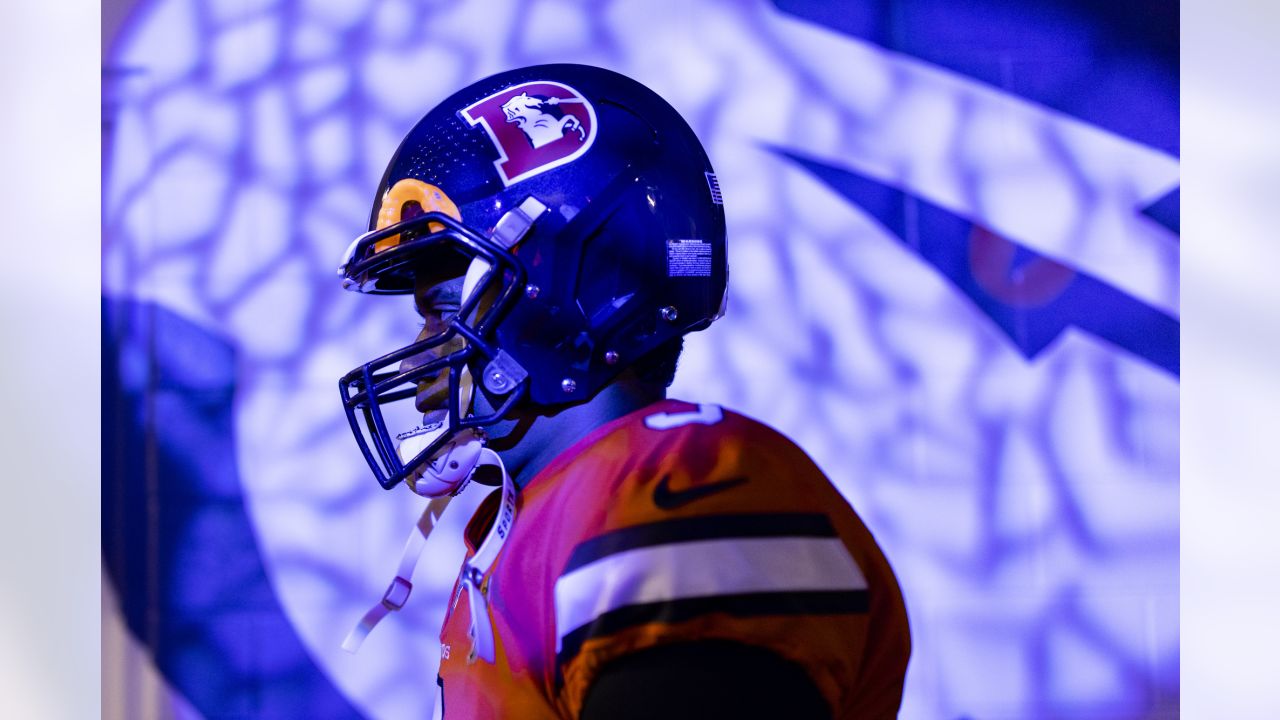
column 478, row 566
column 398, row 592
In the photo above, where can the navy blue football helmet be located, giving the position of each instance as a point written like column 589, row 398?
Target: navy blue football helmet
column 584, row 210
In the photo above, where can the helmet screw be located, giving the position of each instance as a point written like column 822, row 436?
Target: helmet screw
column 453, row 464
column 497, row 382
column 669, row 313
column 531, row 291
column 568, row 385
column 611, row 358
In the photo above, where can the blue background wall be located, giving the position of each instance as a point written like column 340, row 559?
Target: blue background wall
column 954, row 282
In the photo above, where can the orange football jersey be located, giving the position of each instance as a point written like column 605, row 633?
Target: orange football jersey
column 678, row 522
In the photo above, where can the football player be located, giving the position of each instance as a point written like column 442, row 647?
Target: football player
column 560, row 228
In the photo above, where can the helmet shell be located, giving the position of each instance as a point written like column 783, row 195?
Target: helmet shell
column 631, row 251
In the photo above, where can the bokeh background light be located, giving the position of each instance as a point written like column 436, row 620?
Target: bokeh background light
column 954, row 281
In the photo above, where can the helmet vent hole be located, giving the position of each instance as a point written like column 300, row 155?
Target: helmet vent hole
column 410, row 210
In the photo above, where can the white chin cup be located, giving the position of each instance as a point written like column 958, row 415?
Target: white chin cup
column 446, row 472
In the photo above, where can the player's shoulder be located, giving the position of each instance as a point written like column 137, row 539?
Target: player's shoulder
column 716, row 526
column 677, row 459
column 685, row 470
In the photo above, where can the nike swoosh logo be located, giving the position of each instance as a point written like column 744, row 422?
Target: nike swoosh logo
column 666, row 499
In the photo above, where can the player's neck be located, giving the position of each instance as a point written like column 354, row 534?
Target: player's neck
column 550, row 435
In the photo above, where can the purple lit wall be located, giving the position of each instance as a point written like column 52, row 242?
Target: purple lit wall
column 954, row 282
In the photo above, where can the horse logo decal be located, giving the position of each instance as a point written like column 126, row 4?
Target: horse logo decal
column 535, row 126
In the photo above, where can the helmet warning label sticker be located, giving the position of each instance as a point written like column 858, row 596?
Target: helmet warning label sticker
column 535, row 127
column 688, row 258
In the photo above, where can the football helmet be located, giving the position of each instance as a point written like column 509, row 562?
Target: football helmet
column 588, row 222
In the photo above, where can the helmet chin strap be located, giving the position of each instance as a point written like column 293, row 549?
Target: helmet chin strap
column 441, row 477
column 447, row 473
column 475, row 571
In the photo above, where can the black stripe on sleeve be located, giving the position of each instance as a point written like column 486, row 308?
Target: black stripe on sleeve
column 711, row 527
column 823, row 602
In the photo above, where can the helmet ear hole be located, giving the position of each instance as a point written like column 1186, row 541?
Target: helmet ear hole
column 411, row 209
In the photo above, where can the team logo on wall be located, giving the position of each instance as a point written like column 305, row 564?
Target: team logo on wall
column 535, row 126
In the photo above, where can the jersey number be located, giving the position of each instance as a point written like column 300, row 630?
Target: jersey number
column 704, row 415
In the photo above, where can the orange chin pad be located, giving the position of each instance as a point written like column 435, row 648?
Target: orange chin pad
column 429, row 197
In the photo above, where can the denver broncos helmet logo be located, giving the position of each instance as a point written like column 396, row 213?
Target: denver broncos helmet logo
column 541, row 119
column 535, row 126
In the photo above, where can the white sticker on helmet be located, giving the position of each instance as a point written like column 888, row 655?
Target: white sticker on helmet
column 688, row 258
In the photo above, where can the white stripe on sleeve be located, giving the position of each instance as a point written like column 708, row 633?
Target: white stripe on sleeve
column 701, row 569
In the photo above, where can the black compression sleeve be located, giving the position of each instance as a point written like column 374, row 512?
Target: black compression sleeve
column 700, row 680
